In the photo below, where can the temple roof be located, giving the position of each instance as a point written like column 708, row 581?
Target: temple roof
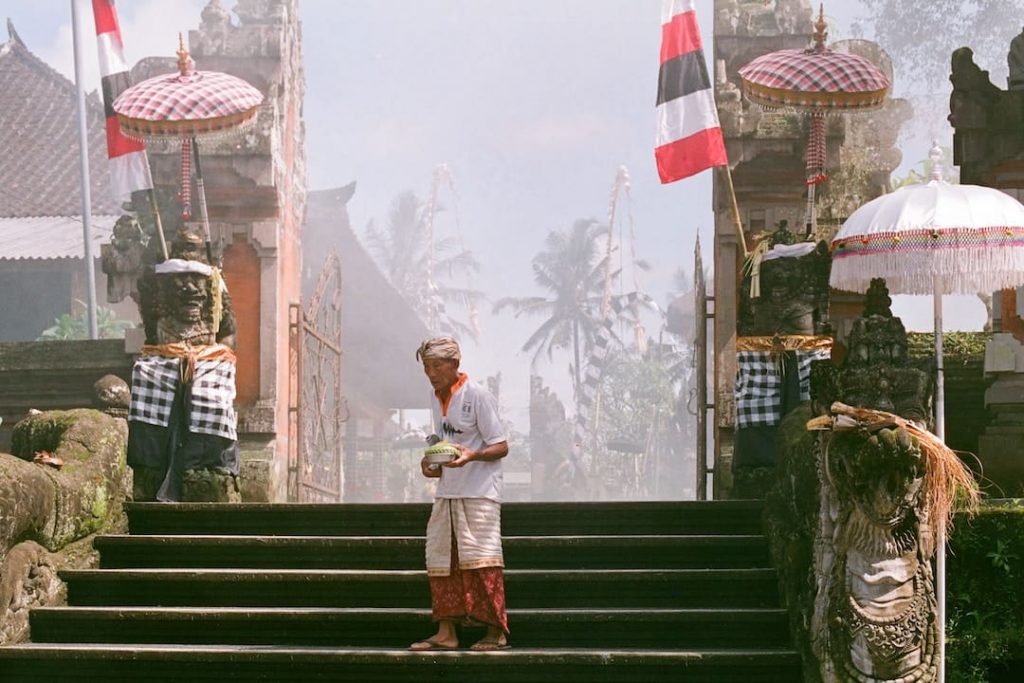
column 39, row 167
column 380, row 332
column 51, row 237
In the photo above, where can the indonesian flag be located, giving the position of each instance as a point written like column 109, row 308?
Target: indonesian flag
column 689, row 135
column 129, row 167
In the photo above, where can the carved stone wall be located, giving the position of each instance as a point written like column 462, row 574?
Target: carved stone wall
column 988, row 145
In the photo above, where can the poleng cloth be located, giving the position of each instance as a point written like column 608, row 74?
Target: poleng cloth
column 209, row 372
column 759, row 374
column 476, row 526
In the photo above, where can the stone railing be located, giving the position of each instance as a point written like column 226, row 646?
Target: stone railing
column 48, row 515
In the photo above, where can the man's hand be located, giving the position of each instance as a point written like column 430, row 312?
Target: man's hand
column 465, row 455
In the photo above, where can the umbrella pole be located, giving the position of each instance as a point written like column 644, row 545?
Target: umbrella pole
column 810, row 214
column 151, row 192
column 204, row 219
column 940, row 431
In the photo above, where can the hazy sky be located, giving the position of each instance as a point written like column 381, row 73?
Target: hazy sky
column 533, row 104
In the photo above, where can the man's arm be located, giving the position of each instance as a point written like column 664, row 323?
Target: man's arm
column 494, row 451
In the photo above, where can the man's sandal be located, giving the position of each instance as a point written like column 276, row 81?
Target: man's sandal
column 490, row 645
column 431, row 645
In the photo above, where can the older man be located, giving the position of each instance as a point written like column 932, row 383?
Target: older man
column 464, row 556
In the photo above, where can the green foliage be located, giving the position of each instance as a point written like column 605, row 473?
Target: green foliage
column 69, row 326
column 638, row 422
column 985, row 575
column 958, row 348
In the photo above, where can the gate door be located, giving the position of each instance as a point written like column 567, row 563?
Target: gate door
column 316, row 407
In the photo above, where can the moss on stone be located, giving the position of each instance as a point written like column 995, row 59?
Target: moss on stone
column 60, row 509
column 790, row 519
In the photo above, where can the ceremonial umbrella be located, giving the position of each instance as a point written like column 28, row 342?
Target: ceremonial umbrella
column 189, row 105
column 819, row 81
column 933, row 238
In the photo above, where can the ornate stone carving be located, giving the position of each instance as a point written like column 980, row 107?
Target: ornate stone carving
column 112, row 395
column 875, row 614
column 122, row 259
column 188, row 363
column 1015, row 63
column 878, row 372
column 793, row 291
column 550, row 445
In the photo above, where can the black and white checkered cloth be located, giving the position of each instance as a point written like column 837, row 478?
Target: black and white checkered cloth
column 154, row 380
column 759, row 385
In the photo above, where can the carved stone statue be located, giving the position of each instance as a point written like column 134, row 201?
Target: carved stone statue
column 783, row 327
column 122, row 259
column 791, row 292
column 875, row 613
column 878, row 372
column 182, row 438
column 1015, row 63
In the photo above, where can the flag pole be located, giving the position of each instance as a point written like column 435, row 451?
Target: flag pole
column 735, row 211
column 83, row 148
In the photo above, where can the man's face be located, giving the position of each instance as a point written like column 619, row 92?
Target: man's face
column 442, row 373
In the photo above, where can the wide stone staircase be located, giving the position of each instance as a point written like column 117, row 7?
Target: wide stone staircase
column 625, row 592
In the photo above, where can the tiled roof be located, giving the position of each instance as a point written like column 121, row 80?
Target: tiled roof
column 39, row 158
column 379, row 330
column 51, row 237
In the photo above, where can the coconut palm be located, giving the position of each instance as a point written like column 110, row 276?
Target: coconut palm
column 572, row 270
column 402, row 250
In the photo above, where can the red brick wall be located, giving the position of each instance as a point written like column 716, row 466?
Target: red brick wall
column 242, row 274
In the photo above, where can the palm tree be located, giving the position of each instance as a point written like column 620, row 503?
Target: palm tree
column 572, row 270
column 423, row 275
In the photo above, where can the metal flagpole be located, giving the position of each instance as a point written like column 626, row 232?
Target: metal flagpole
column 83, row 146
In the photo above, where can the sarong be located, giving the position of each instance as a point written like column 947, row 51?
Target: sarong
column 464, row 562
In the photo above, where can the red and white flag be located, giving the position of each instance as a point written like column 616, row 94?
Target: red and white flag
column 689, row 136
column 129, row 166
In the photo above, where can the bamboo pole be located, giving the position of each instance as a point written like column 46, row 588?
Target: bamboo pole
column 735, row 211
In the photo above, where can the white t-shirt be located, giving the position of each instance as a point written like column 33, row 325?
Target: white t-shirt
column 471, row 420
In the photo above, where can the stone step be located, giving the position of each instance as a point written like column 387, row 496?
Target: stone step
column 518, row 519
column 610, row 588
column 407, row 552
column 538, row 628
column 105, row 662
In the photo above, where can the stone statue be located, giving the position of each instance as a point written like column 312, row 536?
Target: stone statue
column 182, row 438
column 875, row 616
column 791, row 295
column 112, row 396
column 783, row 327
column 122, row 259
column 875, row 613
column 556, row 474
column 1015, row 62
column 878, row 372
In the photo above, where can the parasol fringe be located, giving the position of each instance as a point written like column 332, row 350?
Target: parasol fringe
column 948, row 483
column 964, row 270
